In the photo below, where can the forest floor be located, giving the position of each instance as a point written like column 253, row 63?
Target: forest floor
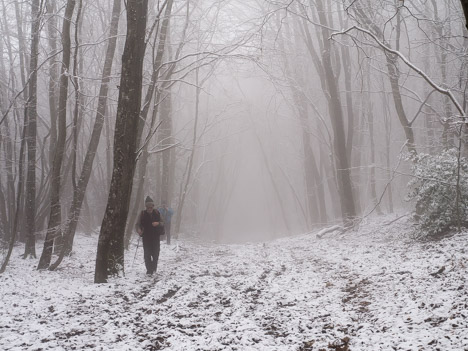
column 372, row 289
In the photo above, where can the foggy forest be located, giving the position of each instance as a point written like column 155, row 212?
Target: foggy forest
column 311, row 154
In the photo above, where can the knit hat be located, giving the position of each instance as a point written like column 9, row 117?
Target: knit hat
column 149, row 201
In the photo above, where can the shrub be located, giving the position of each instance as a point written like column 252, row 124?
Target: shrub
column 434, row 189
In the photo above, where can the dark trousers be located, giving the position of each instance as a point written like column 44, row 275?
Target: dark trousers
column 151, row 248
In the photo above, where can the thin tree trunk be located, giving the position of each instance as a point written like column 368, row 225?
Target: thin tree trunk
column 78, row 96
column 370, row 121
column 166, row 132
column 31, row 107
column 18, row 198
column 53, row 75
column 80, row 190
column 183, row 194
column 275, row 186
column 150, row 94
column 315, row 198
column 8, row 204
column 345, row 190
column 54, row 227
column 22, row 49
column 110, row 251
column 441, row 52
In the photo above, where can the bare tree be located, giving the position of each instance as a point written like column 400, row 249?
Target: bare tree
column 31, row 109
column 393, row 76
column 54, row 227
column 110, row 251
column 80, row 189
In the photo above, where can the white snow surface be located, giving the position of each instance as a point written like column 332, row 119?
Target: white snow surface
column 375, row 288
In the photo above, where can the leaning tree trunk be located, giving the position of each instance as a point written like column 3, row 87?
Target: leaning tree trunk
column 80, row 189
column 31, row 108
column 110, row 250
column 53, row 228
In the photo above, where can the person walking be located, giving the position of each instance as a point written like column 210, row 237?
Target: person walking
column 150, row 226
column 166, row 214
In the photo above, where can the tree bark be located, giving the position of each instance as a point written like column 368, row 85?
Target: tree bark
column 80, row 190
column 150, row 94
column 345, row 190
column 183, row 194
column 18, row 199
column 110, row 251
column 31, row 108
column 315, row 196
column 24, row 63
column 166, row 132
column 53, row 75
column 8, row 204
column 370, row 121
column 54, row 226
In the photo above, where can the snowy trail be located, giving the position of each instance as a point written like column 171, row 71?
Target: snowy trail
column 367, row 291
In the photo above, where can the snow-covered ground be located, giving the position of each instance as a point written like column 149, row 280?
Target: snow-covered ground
column 373, row 289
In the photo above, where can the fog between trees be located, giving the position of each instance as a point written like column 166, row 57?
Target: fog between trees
column 258, row 119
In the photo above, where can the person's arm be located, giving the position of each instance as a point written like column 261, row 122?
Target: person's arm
column 157, row 220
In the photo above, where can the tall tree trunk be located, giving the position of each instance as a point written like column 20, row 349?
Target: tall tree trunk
column 441, row 54
column 110, row 251
column 31, row 107
column 8, row 205
column 150, row 94
column 370, row 121
column 183, row 194
column 345, row 190
column 166, row 132
column 351, row 119
column 18, row 198
column 24, row 63
column 53, row 75
column 77, row 111
column 80, row 190
column 16, row 113
column 274, row 184
column 315, row 196
column 388, row 134
column 54, row 227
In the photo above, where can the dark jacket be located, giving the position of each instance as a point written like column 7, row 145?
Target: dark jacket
column 145, row 221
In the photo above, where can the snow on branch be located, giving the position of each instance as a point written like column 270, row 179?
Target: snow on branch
column 437, row 87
